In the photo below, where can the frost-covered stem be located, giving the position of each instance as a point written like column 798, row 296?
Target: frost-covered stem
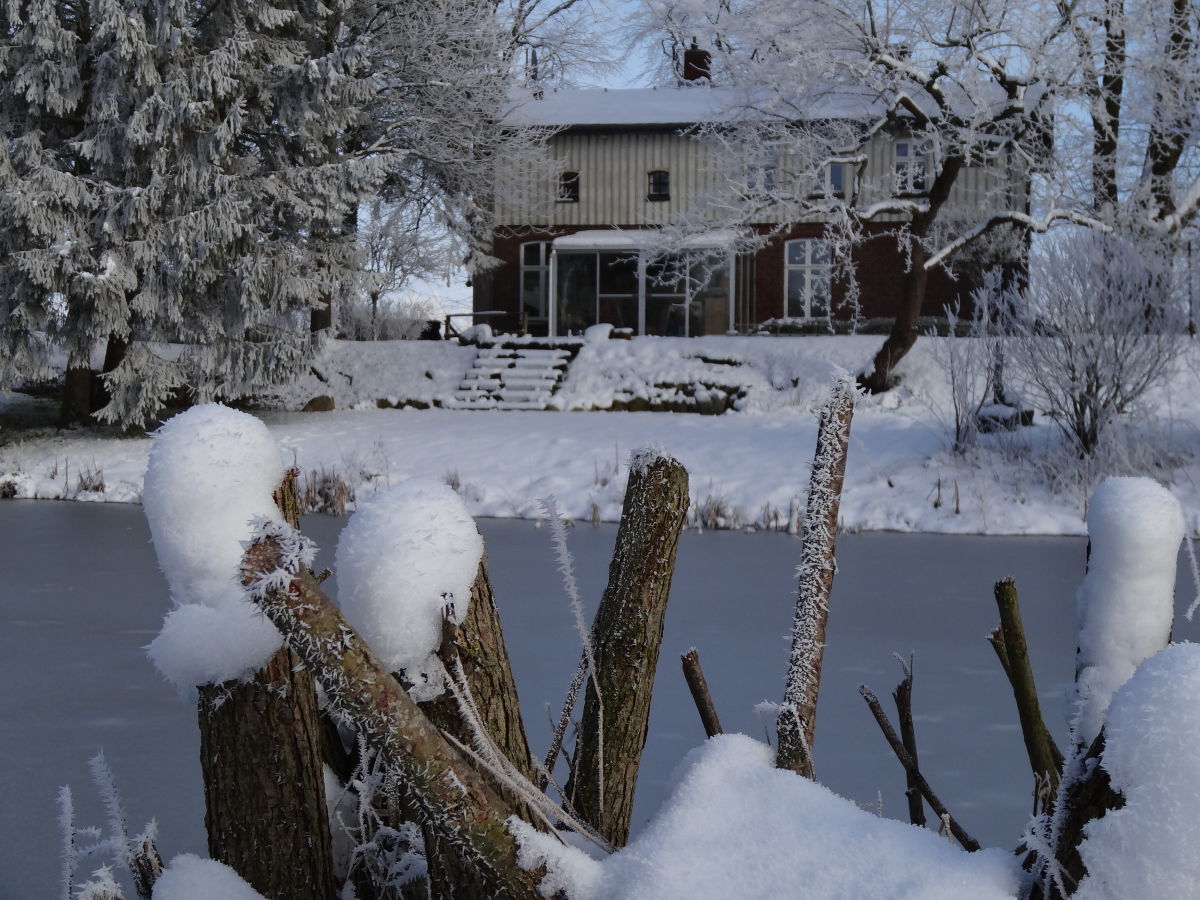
column 564, row 719
column 1084, row 794
column 70, row 848
column 910, row 767
column 814, row 577
column 698, row 685
column 1045, row 759
column 454, row 799
column 587, row 663
column 908, row 737
column 626, row 635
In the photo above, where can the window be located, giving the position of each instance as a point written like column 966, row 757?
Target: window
column 568, row 187
column 831, row 181
column 909, row 156
column 535, row 280
column 658, row 185
column 809, row 278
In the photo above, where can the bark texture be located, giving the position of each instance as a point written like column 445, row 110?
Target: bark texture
column 264, row 799
column 626, row 636
column 260, row 755
column 796, row 725
column 455, row 802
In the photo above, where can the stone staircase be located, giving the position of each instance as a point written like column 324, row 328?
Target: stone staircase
column 511, row 376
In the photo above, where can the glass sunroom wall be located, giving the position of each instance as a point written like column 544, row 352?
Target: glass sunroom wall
column 575, row 292
column 666, row 296
column 618, row 289
column 708, row 311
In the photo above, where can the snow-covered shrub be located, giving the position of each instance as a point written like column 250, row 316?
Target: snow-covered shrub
column 1094, row 332
column 212, row 470
column 968, row 363
column 406, row 561
column 386, row 318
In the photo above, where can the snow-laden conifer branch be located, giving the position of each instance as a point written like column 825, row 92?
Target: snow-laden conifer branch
column 814, row 579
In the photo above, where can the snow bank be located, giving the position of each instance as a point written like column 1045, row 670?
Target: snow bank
column 188, row 877
column 1148, row 848
column 211, row 471
column 736, row 826
column 1127, row 600
column 405, row 561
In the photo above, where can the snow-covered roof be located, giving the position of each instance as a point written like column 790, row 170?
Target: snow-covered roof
column 680, row 105
column 623, row 239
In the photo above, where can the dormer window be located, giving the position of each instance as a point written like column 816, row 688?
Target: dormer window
column 910, row 174
column 658, row 185
column 568, row 187
column 831, row 181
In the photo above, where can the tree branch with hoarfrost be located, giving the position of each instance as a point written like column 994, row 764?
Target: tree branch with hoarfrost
column 814, row 581
column 453, row 798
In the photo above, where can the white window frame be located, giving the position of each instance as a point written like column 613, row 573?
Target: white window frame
column 910, row 168
column 543, row 269
column 809, row 271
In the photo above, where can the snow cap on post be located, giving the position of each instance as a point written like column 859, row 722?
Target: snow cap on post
column 212, row 470
column 1126, row 603
column 1148, row 847
column 406, row 561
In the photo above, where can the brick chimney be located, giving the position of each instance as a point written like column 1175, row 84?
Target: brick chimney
column 697, row 64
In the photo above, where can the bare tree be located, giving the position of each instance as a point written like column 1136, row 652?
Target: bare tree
column 1094, row 332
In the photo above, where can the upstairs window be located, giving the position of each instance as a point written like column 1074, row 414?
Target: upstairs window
column 568, row 187
column 658, row 185
column 831, row 181
column 910, row 174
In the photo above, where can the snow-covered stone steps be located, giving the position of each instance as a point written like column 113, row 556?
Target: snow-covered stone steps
column 511, row 377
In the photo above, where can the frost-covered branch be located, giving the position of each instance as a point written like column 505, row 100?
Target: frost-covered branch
column 453, row 799
column 814, row 580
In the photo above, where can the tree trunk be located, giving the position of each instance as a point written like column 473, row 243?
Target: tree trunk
column 76, row 406
column 114, row 355
column 797, row 720
column 260, row 753
column 904, row 327
column 478, row 645
column 452, row 797
column 626, row 636
column 264, row 798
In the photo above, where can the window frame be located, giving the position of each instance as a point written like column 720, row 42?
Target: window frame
column 807, row 270
column 542, row 269
column 568, row 187
column 663, row 194
column 910, row 173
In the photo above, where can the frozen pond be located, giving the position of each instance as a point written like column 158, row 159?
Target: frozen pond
column 82, row 594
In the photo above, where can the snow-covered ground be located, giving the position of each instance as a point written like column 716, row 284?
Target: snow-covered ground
column 748, row 467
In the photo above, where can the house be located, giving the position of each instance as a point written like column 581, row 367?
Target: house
column 631, row 161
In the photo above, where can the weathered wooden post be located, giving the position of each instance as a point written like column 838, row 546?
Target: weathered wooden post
column 260, row 754
column 626, row 636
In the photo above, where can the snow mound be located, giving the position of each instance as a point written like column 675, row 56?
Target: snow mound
column 1126, row 603
column 188, row 877
column 406, row 560
column 736, row 826
column 1148, row 848
column 211, row 471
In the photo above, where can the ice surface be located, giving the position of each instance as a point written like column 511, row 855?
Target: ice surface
column 405, row 561
column 1127, row 600
column 211, row 471
column 735, row 826
column 188, row 877
column 1148, row 848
